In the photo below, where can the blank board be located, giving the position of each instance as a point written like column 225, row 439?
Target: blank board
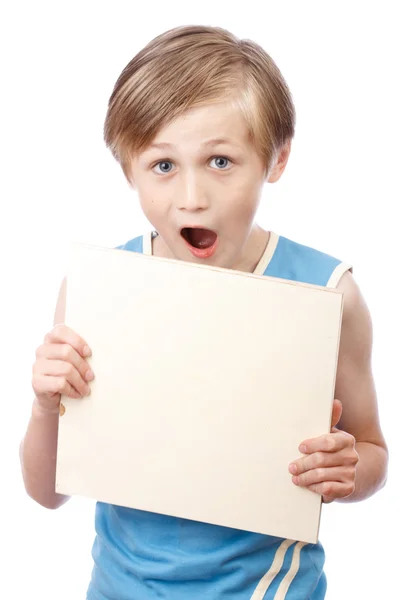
column 206, row 381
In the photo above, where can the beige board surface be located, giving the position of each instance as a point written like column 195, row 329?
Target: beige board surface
column 206, row 381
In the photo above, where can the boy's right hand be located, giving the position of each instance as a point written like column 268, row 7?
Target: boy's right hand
column 61, row 368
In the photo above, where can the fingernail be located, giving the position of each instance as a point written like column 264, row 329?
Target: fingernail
column 87, row 351
column 293, row 468
column 303, row 448
column 89, row 375
column 295, row 480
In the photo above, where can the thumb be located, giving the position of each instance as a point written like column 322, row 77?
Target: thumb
column 337, row 412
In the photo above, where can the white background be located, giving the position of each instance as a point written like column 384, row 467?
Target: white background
column 348, row 190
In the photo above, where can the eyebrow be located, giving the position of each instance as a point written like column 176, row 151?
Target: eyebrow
column 212, row 142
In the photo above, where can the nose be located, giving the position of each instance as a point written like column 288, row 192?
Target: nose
column 192, row 194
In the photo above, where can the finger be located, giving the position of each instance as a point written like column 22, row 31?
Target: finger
column 67, row 353
column 329, row 442
column 60, row 368
column 316, row 460
column 332, row 489
column 336, row 413
column 340, row 474
column 47, row 384
column 61, row 334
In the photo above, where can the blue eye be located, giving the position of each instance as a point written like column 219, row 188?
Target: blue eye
column 164, row 165
column 221, row 162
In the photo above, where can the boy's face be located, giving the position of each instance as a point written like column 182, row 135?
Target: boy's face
column 199, row 185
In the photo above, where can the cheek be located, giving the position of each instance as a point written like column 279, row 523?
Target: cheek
column 151, row 201
column 244, row 202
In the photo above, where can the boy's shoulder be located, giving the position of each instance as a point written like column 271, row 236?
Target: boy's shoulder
column 299, row 250
column 295, row 261
column 134, row 245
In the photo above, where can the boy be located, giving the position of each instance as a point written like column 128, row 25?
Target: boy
column 199, row 121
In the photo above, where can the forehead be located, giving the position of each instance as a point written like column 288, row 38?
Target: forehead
column 221, row 122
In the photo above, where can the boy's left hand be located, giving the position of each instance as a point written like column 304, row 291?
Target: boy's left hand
column 330, row 465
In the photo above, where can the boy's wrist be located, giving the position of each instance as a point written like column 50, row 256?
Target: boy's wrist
column 39, row 410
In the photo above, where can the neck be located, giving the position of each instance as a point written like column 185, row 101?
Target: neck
column 254, row 249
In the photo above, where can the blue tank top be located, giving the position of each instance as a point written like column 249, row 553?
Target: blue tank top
column 140, row 555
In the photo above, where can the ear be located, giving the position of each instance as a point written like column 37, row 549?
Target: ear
column 280, row 163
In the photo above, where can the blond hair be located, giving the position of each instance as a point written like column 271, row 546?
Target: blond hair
column 194, row 66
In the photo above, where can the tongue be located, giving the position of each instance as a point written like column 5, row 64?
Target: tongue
column 201, row 238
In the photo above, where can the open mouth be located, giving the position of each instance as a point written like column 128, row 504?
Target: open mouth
column 199, row 238
column 201, row 242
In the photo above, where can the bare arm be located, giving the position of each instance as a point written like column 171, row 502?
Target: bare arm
column 38, row 457
column 355, row 388
column 54, row 373
column 349, row 463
